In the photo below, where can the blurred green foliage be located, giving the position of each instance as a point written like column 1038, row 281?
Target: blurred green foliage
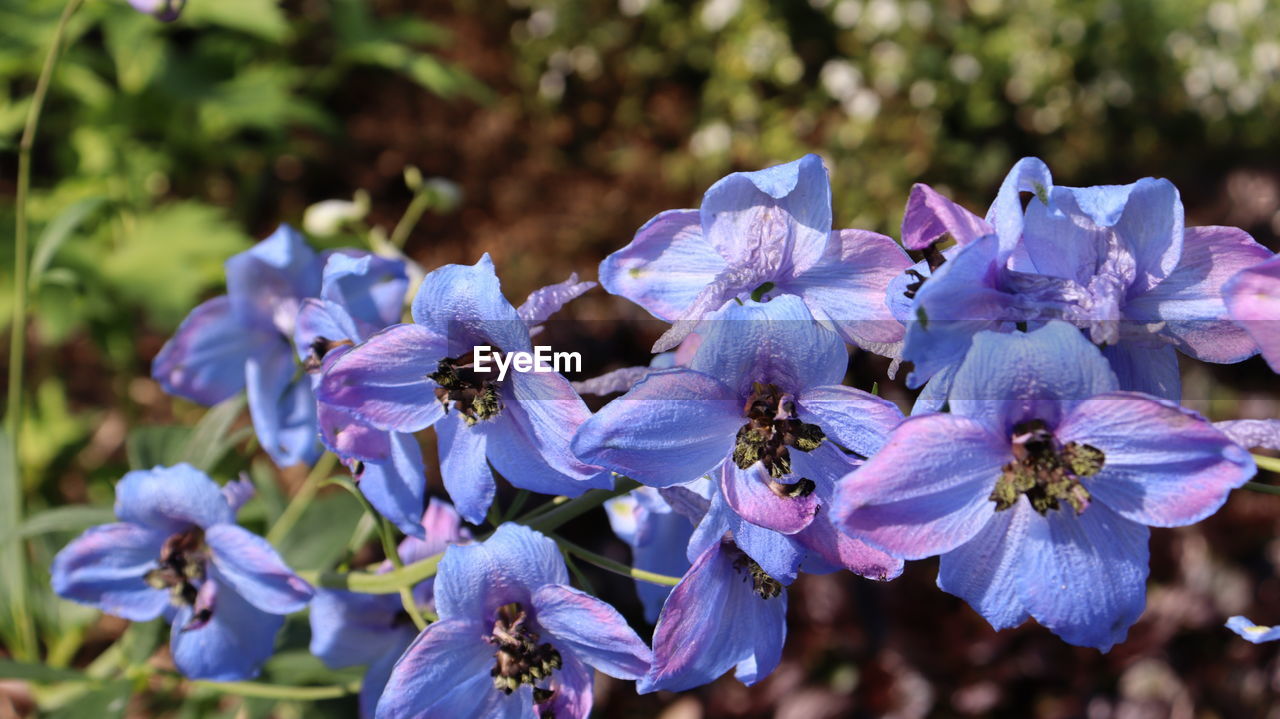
column 949, row 92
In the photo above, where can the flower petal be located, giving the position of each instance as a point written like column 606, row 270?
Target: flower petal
column 1252, row 632
column 856, row 420
column 841, row 551
column 349, row 629
column 1143, row 368
column 927, row 491
column 475, row 579
column 1084, row 577
column 748, row 493
column 711, row 623
column 385, row 381
column 323, row 320
column 674, row 427
column 1164, row 465
column 369, row 287
column 447, row 664
column 105, row 566
column 171, row 499
column 464, row 304
column 396, row 487
column 231, row 646
column 572, row 686
column 1253, row 298
column 283, row 408
column 463, row 467
column 929, row 216
column 847, row 286
column 1006, row 215
column 375, row 678
column 546, row 301
column 665, row 267
column 985, row 571
column 267, row 282
column 204, row 360
column 1252, row 433
column 250, row 565
column 592, row 630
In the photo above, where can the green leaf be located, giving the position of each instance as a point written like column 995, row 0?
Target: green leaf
column 10, row 669
column 142, row 639
column 263, row 18
column 147, row 447
column 73, row 518
column 106, row 702
column 210, row 439
column 320, row 537
column 57, row 232
column 136, row 47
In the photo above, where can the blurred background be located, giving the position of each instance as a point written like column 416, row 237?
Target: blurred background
column 545, row 132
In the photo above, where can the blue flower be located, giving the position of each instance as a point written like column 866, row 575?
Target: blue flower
column 412, row 376
column 1253, row 299
column 1249, row 631
column 1037, row 490
column 349, row 629
column 359, row 295
column 657, row 535
column 765, row 233
column 244, row 339
column 176, row 552
column 1115, row 261
column 513, row 640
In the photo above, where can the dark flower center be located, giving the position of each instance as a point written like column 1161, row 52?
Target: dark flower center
column 520, row 658
column 935, row 258
column 320, row 347
column 763, row 584
column 472, row 394
column 182, row 570
column 1047, row 472
column 771, row 429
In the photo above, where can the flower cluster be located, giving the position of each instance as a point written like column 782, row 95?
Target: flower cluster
column 1046, row 439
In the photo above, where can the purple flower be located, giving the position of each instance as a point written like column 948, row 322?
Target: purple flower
column 244, row 339
column 763, row 234
column 349, row 629
column 1253, row 632
column 513, row 640
column 1253, row 298
column 359, row 295
column 176, row 552
column 166, row 10
column 760, row 409
column 412, row 376
column 1114, row 261
column 657, row 535
column 1038, row 489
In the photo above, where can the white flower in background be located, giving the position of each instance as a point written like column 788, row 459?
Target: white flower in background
column 327, row 217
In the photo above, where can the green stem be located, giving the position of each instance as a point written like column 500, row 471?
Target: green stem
column 553, row 520
column 1271, row 464
column 616, row 567
column 307, row 492
column 261, row 690
column 25, row 646
column 1263, row 488
column 412, row 214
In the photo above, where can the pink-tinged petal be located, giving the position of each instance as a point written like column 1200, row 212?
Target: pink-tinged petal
column 171, row 499
column 1084, row 577
column 841, row 551
column 618, row 380
column 1253, row 299
column 591, row 630
column 204, row 360
column 1190, row 299
column 444, row 674
column 858, row 421
column 777, row 218
column 985, row 571
column 237, row 492
column 385, row 380
column 665, row 267
column 1163, row 465
column 927, row 491
column 251, row 566
column 546, row 301
column 571, row 687
column 747, row 492
column 347, row 435
column 673, row 419
column 848, row 284
column 464, row 304
column 105, row 566
column 1252, row 433
column 929, row 216
column 464, row 468
column 530, row 438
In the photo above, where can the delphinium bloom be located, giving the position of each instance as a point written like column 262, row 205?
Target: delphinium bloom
column 412, row 376
column 1115, row 261
column 513, row 640
column 359, row 295
column 178, row 553
column 350, row 629
column 763, row 234
column 657, row 535
column 1253, row 298
column 244, row 340
column 1037, row 490
column 1249, row 631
